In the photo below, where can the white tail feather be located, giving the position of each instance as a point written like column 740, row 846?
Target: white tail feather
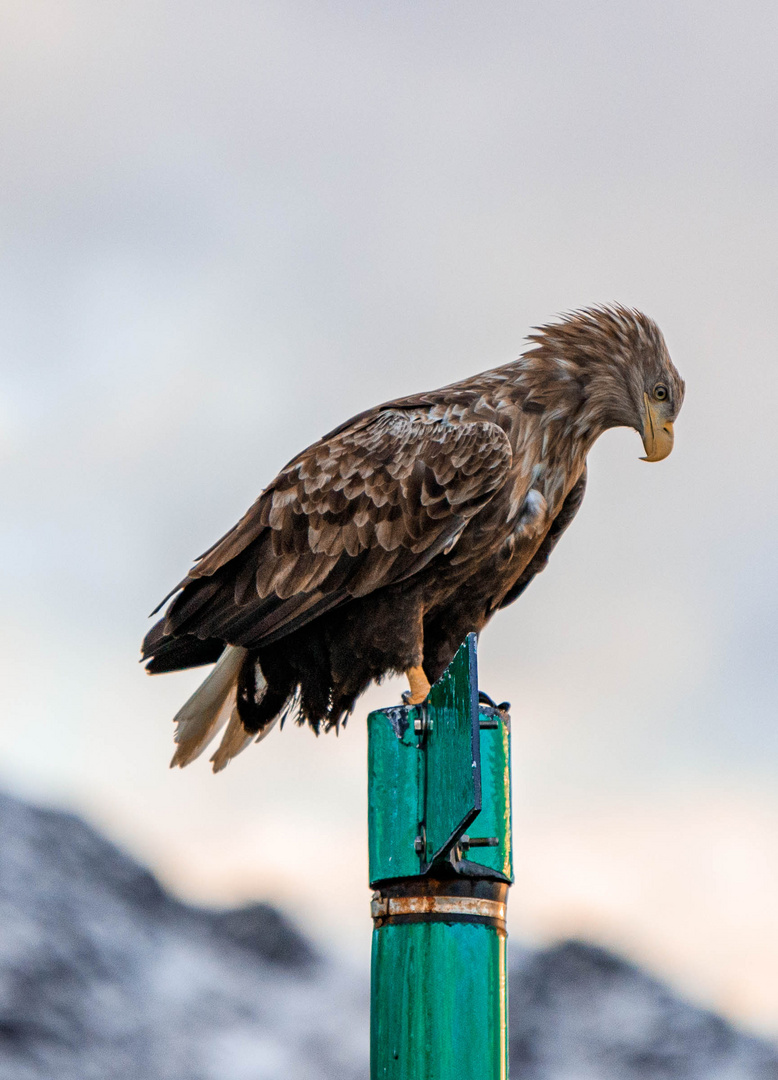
column 209, row 707
column 235, row 740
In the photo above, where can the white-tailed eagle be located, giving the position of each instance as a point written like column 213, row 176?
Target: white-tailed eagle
column 381, row 546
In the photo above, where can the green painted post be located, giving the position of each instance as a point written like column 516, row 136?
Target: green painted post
column 441, row 864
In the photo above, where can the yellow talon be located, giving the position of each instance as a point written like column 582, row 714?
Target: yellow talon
column 419, row 686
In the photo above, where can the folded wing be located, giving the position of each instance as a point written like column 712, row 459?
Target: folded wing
column 365, row 507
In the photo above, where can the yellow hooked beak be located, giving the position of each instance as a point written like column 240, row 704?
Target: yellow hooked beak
column 657, row 433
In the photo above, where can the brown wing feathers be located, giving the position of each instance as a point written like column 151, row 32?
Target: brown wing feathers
column 368, row 506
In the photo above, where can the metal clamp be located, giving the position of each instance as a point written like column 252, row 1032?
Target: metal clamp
column 437, row 908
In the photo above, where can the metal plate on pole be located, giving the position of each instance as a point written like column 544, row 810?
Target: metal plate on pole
column 490, row 843
column 452, row 796
column 424, row 777
column 395, row 792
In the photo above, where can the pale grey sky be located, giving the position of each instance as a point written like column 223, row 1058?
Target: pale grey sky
column 227, row 227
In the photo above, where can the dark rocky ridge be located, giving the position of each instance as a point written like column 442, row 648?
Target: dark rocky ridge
column 105, row 976
column 580, row 1013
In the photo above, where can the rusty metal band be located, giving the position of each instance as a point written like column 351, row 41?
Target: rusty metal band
column 438, row 909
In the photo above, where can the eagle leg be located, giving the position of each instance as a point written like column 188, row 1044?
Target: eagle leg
column 419, row 686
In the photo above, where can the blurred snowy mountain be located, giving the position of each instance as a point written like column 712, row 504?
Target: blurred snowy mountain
column 105, row 976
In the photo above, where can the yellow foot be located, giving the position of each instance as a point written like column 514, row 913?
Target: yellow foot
column 419, row 686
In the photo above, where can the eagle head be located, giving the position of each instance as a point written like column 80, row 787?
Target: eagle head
column 619, row 359
column 655, row 390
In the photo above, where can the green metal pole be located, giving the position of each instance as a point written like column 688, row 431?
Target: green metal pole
column 441, row 865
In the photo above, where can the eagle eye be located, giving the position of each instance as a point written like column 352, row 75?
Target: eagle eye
column 660, row 392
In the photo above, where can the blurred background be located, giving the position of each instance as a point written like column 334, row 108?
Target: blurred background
column 227, row 227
